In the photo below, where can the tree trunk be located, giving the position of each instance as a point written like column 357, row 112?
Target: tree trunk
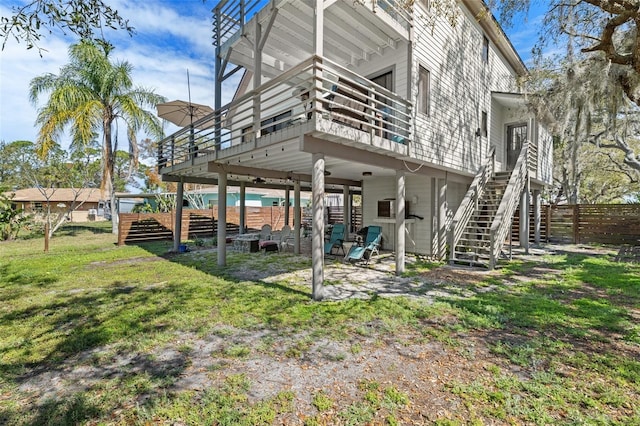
column 107, row 173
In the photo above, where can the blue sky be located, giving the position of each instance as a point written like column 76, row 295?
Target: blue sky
column 171, row 37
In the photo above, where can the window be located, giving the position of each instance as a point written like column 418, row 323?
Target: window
column 278, row 119
column 484, row 124
column 36, row 206
column 485, row 49
column 424, row 90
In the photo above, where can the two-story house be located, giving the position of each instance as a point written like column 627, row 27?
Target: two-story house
column 422, row 114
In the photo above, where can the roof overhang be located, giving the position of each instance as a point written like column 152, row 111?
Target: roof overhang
column 496, row 34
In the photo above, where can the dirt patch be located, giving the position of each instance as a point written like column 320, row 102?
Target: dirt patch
column 425, row 368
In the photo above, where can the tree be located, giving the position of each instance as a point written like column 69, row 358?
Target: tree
column 92, row 94
column 592, row 88
column 12, row 220
column 30, row 22
column 17, row 162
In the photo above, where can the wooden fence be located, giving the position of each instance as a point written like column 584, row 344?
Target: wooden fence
column 595, row 223
column 582, row 223
column 586, row 223
column 140, row 227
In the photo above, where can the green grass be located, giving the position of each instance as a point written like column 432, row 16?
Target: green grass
column 565, row 343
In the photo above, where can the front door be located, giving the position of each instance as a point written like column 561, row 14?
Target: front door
column 516, row 137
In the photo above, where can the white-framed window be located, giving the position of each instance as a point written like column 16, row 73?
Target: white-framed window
column 485, row 49
column 424, row 90
column 484, row 124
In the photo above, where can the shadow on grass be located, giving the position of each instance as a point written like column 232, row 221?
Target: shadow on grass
column 587, row 305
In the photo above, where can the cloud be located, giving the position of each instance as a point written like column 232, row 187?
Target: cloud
column 171, row 38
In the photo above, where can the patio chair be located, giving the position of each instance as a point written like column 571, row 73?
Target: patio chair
column 290, row 241
column 336, row 239
column 265, row 232
column 281, row 236
column 367, row 249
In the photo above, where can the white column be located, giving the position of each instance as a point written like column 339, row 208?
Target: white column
column 536, row 215
column 297, row 217
column 257, row 79
column 177, row 228
column 400, row 221
column 524, row 220
column 317, row 235
column 318, row 27
column 442, row 218
column 287, row 201
column 243, row 204
column 222, row 218
column 346, row 211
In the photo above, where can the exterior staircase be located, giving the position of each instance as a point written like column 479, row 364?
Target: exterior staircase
column 474, row 246
column 482, row 222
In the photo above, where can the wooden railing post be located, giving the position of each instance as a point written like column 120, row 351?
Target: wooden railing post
column 576, row 224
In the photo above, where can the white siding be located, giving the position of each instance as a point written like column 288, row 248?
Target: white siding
column 545, row 155
column 391, row 59
column 461, row 86
column 418, row 195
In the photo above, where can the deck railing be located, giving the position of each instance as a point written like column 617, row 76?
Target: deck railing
column 469, row 203
column 502, row 221
column 230, row 16
column 314, row 90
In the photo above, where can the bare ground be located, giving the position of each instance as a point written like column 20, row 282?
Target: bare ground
column 426, row 369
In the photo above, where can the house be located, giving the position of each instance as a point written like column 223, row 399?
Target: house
column 421, row 114
column 80, row 204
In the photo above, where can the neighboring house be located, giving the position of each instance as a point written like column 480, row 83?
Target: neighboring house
column 89, row 206
column 254, row 197
column 426, row 119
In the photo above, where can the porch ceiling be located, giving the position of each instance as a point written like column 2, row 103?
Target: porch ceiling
column 279, row 164
column 353, row 33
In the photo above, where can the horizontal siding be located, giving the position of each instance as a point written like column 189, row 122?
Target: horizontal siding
column 418, row 191
column 545, row 155
column 461, row 86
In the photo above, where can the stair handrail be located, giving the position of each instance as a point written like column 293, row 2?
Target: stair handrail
column 470, row 201
column 501, row 224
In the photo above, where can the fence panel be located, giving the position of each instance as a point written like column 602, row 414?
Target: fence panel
column 595, row 223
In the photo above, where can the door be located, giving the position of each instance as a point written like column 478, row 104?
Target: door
column 383, row 112
column 516, row 137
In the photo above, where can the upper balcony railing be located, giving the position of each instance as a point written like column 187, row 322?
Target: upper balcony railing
column 230, row 16
column 317, row 94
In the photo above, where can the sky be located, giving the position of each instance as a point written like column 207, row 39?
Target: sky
column 172, row 36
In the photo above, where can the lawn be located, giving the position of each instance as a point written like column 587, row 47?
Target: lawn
column 93, row 333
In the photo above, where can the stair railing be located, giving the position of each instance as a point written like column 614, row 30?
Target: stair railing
column 470, row 201
column 501, row 225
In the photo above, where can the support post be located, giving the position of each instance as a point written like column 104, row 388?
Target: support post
column 297, row 217
column 400, row 221
column 243, row 208
column 346, row 211
column 177, row 227
column 536, row 216
column 287, row 201
column 442, row 219
column 524, row 219
column 257, row 80
column 317, row 236
column 222, row 218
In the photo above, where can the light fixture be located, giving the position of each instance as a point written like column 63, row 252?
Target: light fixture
column 259, row 180
column 367, row 174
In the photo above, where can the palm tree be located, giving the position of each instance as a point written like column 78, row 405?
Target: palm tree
column 92, row 95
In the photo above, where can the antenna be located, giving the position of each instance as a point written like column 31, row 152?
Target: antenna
column 189, row 91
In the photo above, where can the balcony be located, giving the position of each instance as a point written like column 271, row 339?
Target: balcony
column 353, row 32
column 263, row 128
